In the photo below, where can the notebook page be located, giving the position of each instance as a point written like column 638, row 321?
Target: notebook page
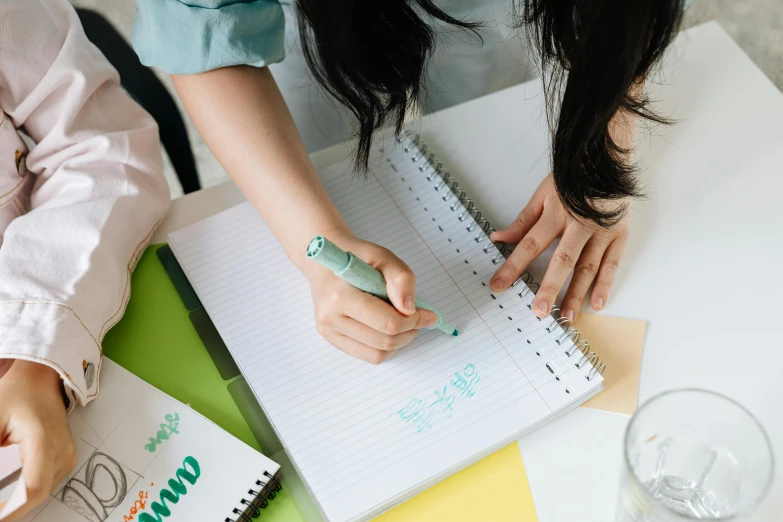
column 543, row 349
column 130, row 441
column 364, row 435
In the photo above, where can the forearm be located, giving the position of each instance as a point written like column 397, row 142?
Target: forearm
column 244, row 120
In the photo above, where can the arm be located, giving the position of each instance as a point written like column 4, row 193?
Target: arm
column 65, row 263
column 97, row 195
column 243, row 118
column 248, row 127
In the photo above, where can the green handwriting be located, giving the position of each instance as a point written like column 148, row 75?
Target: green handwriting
column 178, row 489
column 166, row 431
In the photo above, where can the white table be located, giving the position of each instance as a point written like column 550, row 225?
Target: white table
column 704, row 263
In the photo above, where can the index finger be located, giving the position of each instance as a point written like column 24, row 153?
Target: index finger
column 536, row 241
column 383, row 317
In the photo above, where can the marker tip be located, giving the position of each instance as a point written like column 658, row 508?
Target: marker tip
column 455, row 333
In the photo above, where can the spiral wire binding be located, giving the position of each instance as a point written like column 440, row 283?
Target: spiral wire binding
column 259, row 499
column 480, row 223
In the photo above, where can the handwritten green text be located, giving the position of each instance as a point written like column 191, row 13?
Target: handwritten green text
column 189, row 472
column 166, row 431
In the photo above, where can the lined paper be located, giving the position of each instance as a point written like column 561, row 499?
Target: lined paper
column 366, row 436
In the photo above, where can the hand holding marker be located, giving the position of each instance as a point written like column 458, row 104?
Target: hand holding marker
column 356, row 272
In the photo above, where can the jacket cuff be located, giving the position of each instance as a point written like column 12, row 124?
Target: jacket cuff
column 52, row 334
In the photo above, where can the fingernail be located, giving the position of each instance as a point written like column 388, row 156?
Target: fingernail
column 497, row 283
column 433, row 321
column 599, row 303
column 569, row 314
column 543, row 307
column 409, row 303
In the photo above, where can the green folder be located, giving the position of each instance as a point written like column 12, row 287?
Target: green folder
column 157, row 340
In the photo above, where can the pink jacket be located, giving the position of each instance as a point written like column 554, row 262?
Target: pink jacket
column 78, row 207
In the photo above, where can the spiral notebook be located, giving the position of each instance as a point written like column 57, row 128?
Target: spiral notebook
column 144, row 457
column 364, row 437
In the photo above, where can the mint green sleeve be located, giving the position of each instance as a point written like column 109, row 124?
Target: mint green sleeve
column 194, row 36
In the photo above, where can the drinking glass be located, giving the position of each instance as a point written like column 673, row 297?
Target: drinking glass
column 693, row 455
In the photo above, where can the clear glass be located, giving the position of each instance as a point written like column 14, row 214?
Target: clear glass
column 693, row 455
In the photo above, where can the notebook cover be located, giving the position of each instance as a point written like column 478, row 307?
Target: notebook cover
column 156, row 341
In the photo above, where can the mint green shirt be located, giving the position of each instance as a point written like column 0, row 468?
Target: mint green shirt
column 193, row 36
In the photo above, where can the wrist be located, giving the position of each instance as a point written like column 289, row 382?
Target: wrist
column 45, row 377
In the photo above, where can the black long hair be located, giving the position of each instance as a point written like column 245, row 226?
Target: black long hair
column 594, row 53
column 371, row 56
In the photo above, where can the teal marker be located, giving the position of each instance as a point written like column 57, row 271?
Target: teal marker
column 353, row 270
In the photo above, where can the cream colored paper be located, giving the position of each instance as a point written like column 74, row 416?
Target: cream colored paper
column 619, row 343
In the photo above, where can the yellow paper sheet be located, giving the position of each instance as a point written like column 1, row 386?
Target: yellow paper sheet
column 495, row 488
column 619, row 343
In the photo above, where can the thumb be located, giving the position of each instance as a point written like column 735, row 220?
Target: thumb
column 400, row 283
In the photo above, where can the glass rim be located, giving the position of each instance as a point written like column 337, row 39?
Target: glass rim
column 747, row 412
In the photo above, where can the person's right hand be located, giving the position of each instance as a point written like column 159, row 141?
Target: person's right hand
column 363, row 325
column 32, row 415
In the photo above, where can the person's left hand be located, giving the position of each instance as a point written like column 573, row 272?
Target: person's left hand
column 591, row 252
column 32, row 415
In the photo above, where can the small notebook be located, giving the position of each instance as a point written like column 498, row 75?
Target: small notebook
column 146, row 457
column 364, row 437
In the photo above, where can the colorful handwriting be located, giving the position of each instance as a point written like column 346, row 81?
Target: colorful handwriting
column 178, row 489
column 140, row 504
column 421, row 414
column 166, row 431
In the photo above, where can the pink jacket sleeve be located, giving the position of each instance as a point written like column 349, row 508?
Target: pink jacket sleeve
column 97, row 195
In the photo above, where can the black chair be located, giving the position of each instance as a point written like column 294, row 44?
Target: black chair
column 142, row 84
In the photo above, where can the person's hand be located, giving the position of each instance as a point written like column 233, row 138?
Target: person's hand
column 32, row 415
column 591, row 252
column 363, row 325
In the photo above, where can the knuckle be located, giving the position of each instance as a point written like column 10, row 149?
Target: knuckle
column 421, row 321
column 521, row 219
column 548, row 289
column 612, row 264
column 511, row 267
column 405, row 276
column 393, row 326
column 565, row 258
column 321, row 328
column 574, row 300
column 376, row 254
column 387, row 343
column 588, row 269
column 334, row 297
column 321, row 318
column 37, row 493
column 529, row 244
